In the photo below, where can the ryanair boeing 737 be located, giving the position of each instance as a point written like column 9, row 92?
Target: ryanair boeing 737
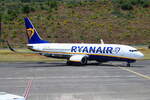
column 80, row 52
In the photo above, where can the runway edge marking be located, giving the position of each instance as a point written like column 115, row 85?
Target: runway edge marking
column 137, row 73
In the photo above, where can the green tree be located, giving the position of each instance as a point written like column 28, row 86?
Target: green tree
column 27, row 9
column 52, row 4
column 11, row 14
column 0, row 25
column 126, row 6
column 25, row 0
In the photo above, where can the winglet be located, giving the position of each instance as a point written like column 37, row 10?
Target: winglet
column 102, row 42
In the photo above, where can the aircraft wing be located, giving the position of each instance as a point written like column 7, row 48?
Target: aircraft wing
column 36, row 52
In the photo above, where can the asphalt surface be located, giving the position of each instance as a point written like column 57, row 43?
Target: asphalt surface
column 56, row 81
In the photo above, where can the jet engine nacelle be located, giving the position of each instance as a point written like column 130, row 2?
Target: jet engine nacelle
column 82, row 59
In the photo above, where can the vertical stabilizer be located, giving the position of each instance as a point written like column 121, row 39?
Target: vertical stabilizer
column 32, row 34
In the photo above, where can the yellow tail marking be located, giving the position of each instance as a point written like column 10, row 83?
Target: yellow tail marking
column 30, row 32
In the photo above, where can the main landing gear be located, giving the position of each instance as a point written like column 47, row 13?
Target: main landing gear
column 128, row 64
column 69, row 63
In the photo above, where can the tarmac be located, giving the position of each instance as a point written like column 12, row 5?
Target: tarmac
column 57, row 81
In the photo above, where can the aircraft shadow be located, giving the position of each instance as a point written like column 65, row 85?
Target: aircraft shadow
column 63, row 64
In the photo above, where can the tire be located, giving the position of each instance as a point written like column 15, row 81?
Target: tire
column 84, row 61
column 69, row 63
column 128, row 65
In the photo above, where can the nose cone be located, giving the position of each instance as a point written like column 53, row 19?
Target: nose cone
column 140, row 55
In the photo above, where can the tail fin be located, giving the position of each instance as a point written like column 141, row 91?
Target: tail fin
column 33, row 36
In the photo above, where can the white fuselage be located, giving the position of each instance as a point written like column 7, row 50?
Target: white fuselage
column 106, row 52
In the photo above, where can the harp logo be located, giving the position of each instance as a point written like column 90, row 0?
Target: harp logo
column 30, row 32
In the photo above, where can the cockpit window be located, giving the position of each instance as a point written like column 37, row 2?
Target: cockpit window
column 133, row 50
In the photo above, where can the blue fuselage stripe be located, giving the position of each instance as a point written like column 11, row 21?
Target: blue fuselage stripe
column 109, row 58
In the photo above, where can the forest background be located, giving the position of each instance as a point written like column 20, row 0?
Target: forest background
column 86, row 21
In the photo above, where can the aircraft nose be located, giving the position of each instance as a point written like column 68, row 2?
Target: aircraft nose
column 141, row 55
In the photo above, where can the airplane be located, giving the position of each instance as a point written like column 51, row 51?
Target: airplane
column 7, row 96
column 79, row 53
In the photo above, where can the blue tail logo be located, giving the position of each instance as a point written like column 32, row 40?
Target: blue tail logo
column 32, row 34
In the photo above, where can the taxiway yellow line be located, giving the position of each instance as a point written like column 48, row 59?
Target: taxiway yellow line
column 137, row 73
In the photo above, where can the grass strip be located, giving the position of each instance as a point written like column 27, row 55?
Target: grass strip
column 9, row 56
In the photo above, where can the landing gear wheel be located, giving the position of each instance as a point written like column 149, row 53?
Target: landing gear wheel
column 84, row 61
column 128, row 65
column 69, row 63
